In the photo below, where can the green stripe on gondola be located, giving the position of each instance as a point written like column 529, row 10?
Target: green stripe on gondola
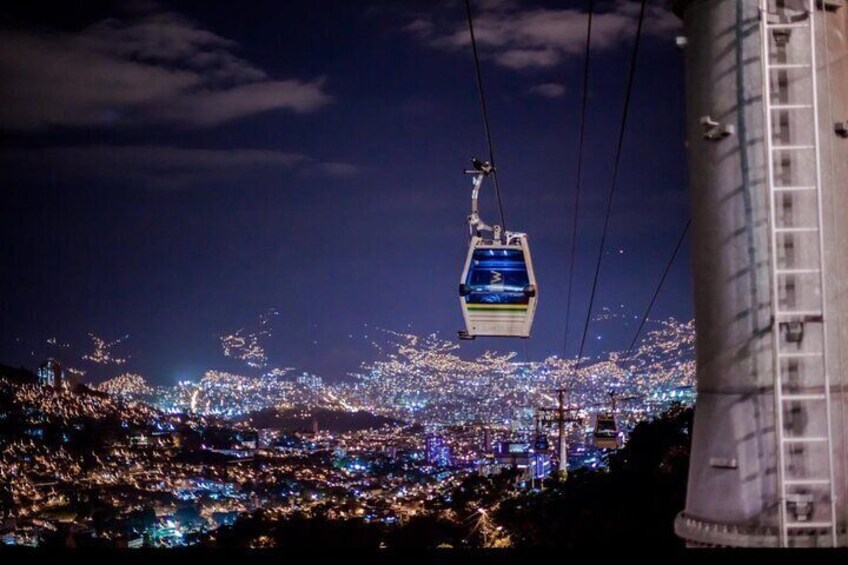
column 505, row 308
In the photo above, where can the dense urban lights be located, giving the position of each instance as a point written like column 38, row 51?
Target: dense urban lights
column 177, row 463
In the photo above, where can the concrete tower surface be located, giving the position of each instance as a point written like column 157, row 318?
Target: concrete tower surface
column 767, row 106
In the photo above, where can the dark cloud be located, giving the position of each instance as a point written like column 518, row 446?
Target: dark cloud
column 211, row 107
column 160, row 167
column 153, row 68
column 542, row 38
column 548, row 90
column 337, row 169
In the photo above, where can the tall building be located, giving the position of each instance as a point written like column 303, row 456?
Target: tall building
column 767, row 106
column 438, row 452
column 519, row 455
column 50, row 373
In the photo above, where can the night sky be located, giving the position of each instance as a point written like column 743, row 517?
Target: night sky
column 172, row 171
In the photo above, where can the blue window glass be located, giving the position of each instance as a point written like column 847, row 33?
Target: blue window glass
column 497, row 276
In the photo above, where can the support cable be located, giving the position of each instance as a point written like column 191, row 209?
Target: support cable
column 658, row 289
column 581, row 138
column 618, row 151
column 484, row 108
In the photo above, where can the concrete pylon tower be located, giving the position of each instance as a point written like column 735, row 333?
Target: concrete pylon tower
column 767, row 106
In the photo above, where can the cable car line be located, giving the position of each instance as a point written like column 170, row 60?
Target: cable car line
column 497, row 288
column 581, row 137
column 616, row 162
column 606, row 433
column 485, row 111
column 659, row 288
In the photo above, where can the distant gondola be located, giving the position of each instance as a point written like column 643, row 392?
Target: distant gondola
column 606, row 432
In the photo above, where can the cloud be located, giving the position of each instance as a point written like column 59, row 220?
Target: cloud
column 158, row 167
column 337, row 169
column 211, row 107
column 159, row 68
column 548, row 90
column 421, row 27
column 540, row 37
column 523, row 58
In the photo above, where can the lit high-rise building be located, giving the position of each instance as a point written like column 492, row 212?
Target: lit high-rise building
column 51, row 373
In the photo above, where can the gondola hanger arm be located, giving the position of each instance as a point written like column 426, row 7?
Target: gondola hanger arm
column 476, row 225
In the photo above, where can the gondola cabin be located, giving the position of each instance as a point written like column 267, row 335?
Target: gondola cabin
column 497, row 290
column 606, row 432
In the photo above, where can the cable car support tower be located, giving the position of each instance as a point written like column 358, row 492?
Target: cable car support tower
column 561, row 415
column 803, row 404
column 768, row 158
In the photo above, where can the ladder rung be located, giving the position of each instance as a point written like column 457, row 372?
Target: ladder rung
column 791, row 106
column 779, row 66
column 807, row 481
column 791, row 147
column 801, row 229
column 792, row 188
column 797, row 525
column 802, row 397
column 809, row 439
column 800, row 354
column 797, row 271
column 805, row 313
column 786, row 25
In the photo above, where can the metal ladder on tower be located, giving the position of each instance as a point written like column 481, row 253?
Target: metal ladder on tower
column 807, row 512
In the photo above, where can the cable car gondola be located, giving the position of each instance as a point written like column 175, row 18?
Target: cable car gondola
column 607, row 435
column 497, row 291
column 606, row 432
